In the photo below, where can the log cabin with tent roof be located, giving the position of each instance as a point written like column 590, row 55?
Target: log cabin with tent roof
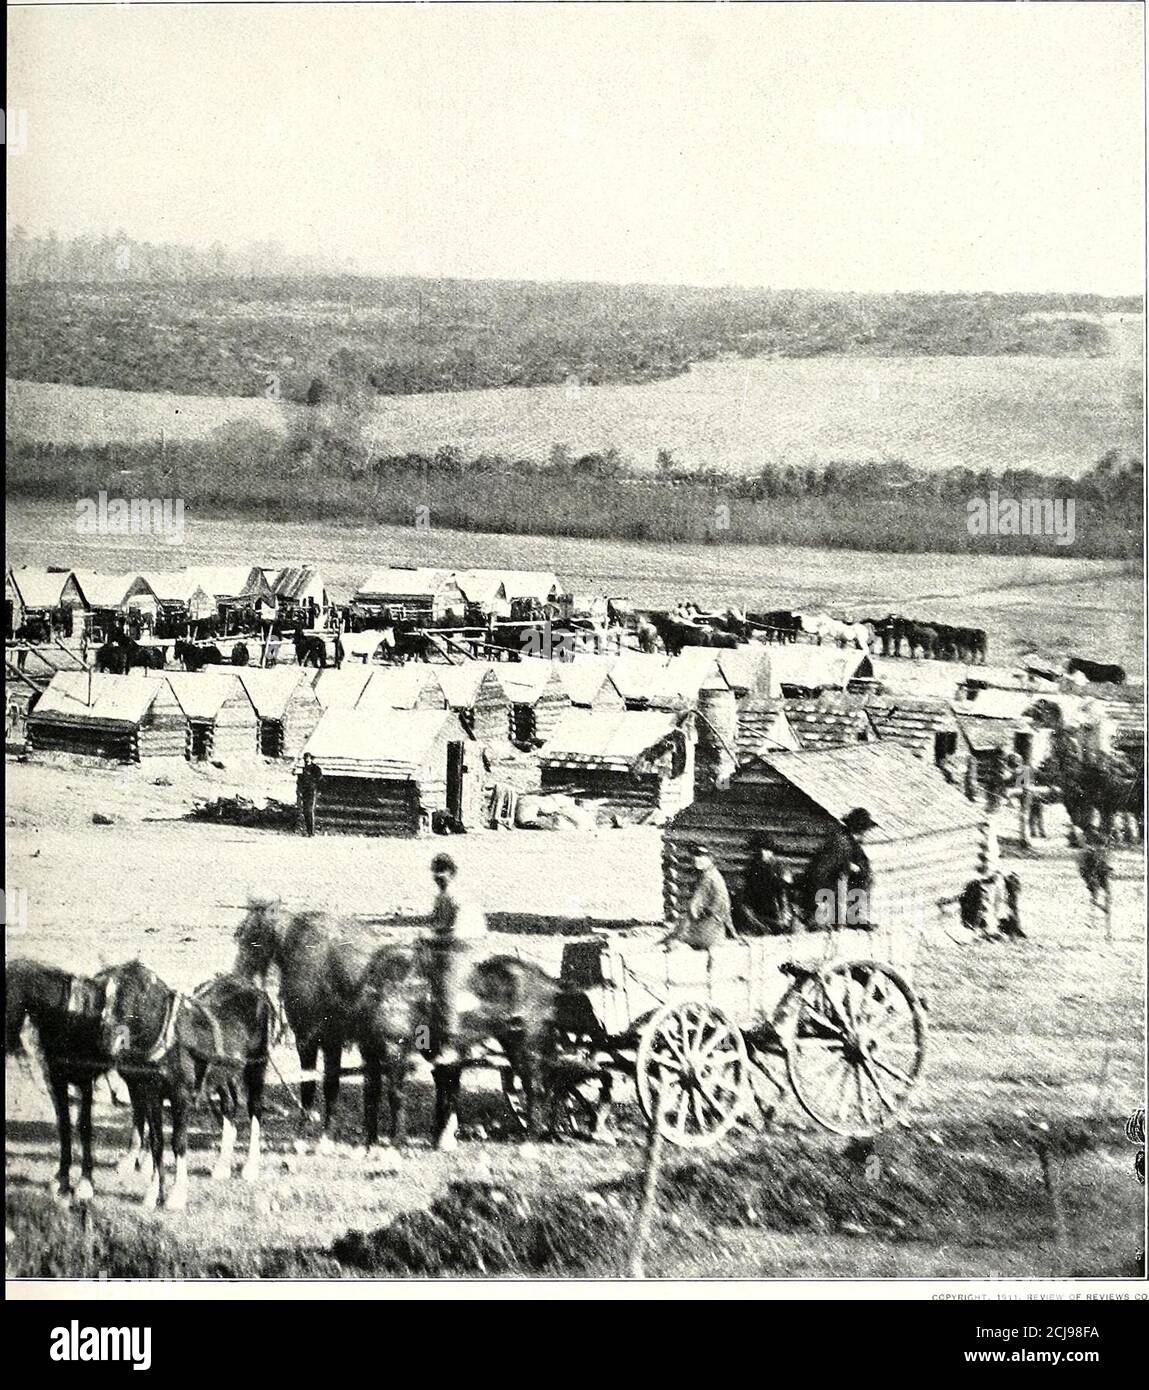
column 537, row 699
column 121, row 718
column 237, row 591
column 52, row 599
column 627, row 761
column 928, row 843
column 390, row 772
column 220, row 718
column 525, row 591
column 299, row 593
column 413, row 686
column 802, row 669
column 474, row 692
column 588, row 684
column 286, row 707
column 184, row 604
column 424, row 596
column 115, row 599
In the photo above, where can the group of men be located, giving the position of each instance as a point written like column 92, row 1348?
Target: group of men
column 831, row 891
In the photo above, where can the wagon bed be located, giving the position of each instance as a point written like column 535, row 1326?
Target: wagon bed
column 837, row 1007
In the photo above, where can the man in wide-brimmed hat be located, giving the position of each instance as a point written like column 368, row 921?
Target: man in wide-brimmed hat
column 839, row 867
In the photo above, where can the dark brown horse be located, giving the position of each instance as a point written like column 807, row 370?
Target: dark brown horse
column 66, row 1011
column 508, row 1000
column 180, row 1047
column 339, row 985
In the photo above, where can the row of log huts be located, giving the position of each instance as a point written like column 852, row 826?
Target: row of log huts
column 213, row 714
column 528, row 702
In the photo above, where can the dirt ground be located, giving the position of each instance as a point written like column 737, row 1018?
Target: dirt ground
column 1043, row 1032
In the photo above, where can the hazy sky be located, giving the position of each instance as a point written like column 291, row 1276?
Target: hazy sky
column 853, row 146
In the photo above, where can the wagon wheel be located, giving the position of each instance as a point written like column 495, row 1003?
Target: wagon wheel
column 572, row 1099
column 856, row 1040
column 692, row 1048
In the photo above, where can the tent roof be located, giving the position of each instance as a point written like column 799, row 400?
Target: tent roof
column 906, row 796
column 202, row 694
column 174, row 586
column 341, row 689
column 414, row 583
column 110, row 590
column 270, row 689
column 39, row 588
column 383, row 743
column 398, row 687
column 536, row 584
column 118, row 700
column 229, row 581
column 293, row 581
column 616, row 737
column 461, row 682
column 811, row 667
column 584, row 678
column 526, row 680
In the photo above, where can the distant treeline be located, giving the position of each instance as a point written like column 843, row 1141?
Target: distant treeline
column 191, row 322
column 319, row 474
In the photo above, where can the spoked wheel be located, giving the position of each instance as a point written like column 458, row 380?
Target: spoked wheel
column 856, row 1041
column 570, row 1107
column 694, row 1051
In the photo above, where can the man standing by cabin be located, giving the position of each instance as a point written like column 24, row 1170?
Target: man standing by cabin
column 839, row 872
column 456, row 927
column 307, row 790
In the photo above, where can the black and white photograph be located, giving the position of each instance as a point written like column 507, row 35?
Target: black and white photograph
column 575, row 655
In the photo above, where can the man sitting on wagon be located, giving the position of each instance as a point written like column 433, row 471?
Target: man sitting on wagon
column 834, row 888
column 707, row 920
column 764, row 908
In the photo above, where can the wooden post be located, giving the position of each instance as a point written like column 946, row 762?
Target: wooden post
column 1060, row 1230
column 655, row 1143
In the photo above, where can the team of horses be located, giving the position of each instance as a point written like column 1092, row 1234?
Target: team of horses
column 339, row 986
column 164, row 1044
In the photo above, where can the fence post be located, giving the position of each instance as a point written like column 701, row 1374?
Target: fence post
column 655, row 1143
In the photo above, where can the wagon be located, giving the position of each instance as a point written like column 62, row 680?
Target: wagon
column 835, row 1011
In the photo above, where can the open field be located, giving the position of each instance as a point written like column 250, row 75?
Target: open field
column 1054, row 414
column 1089, row 607
column 1047, row 1032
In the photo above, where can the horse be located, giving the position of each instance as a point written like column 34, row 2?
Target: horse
column 178, row 1047
column 1096, row 672
column 310, row 651
column 196, row 658
column 112, row 658
column 67, row 1011
column 339, row 985
column 677, row 634
column 405, row 642
column 780, row 625
column 391, row 1019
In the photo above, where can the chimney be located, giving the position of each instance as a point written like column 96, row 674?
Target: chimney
column 714, row 757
